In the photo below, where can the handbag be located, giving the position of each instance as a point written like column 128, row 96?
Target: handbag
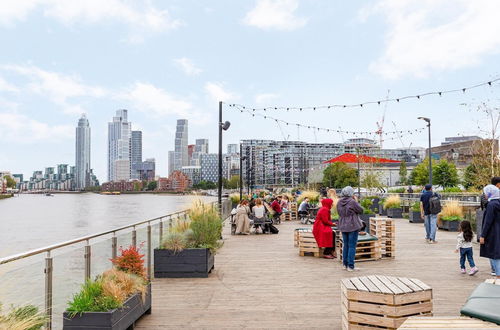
column 273, row 229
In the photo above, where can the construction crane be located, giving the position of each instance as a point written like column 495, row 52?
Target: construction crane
column 398, row 134
column 282, row 132
column 380, row 126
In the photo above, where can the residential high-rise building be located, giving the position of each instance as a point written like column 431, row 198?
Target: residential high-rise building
column 181, row 156
column 232, row 149
column 119, row 137
column 190, row 152
column 147, row 171
column 209, row 167
column 200, row 148
column 136, row 154
column 171, row 162
column 82, row 153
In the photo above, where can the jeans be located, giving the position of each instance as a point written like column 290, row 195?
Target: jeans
column 350, row 240
column 496, row 264
column 430, row 223
column 492, row 264
column 466, row 253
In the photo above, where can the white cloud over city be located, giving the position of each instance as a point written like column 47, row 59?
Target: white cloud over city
column 187, row 66
column 275, row 15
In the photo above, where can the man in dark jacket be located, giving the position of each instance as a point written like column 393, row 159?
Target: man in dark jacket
column 490, row 234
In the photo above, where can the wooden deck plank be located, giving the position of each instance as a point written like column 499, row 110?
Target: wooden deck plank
column 259, row 281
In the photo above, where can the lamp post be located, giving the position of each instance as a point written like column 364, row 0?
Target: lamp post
column 242, row 158
column 222, row 126
column 359, row 174
column 428, row 121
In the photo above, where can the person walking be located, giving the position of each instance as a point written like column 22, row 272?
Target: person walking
column 322, row 229
column 464, row 246
column 428, row 214
column 242, row 220
column 349, row 224
column 490, row 233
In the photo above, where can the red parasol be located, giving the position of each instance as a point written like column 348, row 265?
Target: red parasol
column 352, row 158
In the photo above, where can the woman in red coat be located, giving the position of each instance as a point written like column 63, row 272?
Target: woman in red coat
column 322, row 229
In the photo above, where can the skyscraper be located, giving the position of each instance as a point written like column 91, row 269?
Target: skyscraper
column 181, row 157
column 82, row 154
column 136, row 154
column 119, row 147
column 200, row 148
column 171, row 162
column 232, row 149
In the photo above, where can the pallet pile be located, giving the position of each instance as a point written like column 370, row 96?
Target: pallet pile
column 307, row 244
column 385, row 229
column 296, row 234
column 286, row 216
column 294, row 210
column 382, row 302
column 367, row 249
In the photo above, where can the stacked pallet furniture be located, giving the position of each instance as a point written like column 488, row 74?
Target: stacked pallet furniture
column 468, row 323
column 296, row 234
column 307, row 244
column 382, row 302
column 286, row 216
column 367, row 249
column 294, row 210
column 385, row 229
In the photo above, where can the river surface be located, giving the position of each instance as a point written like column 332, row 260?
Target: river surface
column 34, row 220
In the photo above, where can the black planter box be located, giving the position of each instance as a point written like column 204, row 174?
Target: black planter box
column 395, row 213
column 187, row 263
column 449, row 225
column 366, row 219
column 382, row 210
column 415, row 217
column 479, row 223
column 117, row 319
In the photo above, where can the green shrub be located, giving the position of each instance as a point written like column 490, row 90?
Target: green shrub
column 397, row 190
column 452, row 190
column 415, row 207
column 366, row 203
column 206, row 226
column 92, row 299
column 452, row 218
column 175, row 241
column 25, row 317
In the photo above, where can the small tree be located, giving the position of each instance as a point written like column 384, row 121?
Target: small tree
column 445, row 174
column 403, row 173
column 11, row 183
column 420, row 174
column 152, row 185
column 339, row 175
column 232, row 183
column 371, row 180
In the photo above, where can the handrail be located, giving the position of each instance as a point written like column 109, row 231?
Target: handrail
column 49, row 248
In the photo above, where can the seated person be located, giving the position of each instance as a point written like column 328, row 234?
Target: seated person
column 304, row 207
column 285, row 204
column 276, row 206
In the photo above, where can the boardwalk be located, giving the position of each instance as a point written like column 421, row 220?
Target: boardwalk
column 261, row 282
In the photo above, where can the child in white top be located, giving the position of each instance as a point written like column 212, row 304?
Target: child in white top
column 464, row 246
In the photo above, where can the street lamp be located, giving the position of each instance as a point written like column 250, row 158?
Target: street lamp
column 222, row 126
column 430, row 154
column 242, row 158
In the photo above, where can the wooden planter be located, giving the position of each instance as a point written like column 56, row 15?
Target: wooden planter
column 449, row 225
column 395, row 213
column 415, row 217
column 187, row 263
column 117, row 319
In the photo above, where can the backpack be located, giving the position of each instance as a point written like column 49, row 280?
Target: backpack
column 435, row 204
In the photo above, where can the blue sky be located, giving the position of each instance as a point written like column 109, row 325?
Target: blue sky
column 165, row 60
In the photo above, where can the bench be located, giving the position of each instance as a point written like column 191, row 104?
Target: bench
column 307, row 244
column 367, row 249
column 382, row 302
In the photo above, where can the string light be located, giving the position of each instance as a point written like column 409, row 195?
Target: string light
column 362, row 104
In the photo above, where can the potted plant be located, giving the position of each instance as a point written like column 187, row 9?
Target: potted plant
column 415, row 215
column 115, row 299
column 450, row 216
column 375, row 204
column 393, row 206
column 235, row 199
column 23, row 317
column 366, row 203
column 188, row 250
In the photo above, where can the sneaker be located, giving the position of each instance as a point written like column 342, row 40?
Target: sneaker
column 344, row 267
column 328, row 256
column 432, row 242
column 473, row 271
column 427, row 240
column 350, row 269
column 493, row 274
column 463, row 271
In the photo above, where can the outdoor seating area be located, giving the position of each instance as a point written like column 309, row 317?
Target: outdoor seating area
column 367, row 249
column 384, row 229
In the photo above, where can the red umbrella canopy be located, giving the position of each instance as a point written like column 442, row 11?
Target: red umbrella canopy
column 352, row 158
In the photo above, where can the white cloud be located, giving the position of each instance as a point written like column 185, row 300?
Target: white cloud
column 143, row 15
column 187, row 66
column 428, row 36
column 7, row 87
column 265, row 97
column 22, row 129
column 275, row 14
column 57, row 87
column 217, row 92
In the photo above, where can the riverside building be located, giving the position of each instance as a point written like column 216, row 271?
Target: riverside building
column 119, row 134
column 82, row 154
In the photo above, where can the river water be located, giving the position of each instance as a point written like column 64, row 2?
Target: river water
column 33, row 221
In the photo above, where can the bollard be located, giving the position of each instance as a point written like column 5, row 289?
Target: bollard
column 87, row 257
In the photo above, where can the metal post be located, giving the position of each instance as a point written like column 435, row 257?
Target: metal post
column 359, row 176
column 134, row 237
column 149, row 251
column 160, row 235
column 170, row 224
column 114, row 244
column 219, row 193
column 241, row 174
column 48, row 290
column 430, row 153
column 87, row 257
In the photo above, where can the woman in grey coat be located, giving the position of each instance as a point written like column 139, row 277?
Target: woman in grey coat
column 349, row 224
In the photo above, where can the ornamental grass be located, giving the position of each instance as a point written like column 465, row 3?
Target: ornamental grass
column 452, row 210
column 26, row 317
column 392, row 202
column 311, row 194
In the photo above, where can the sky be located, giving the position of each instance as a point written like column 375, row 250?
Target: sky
column 167, row 60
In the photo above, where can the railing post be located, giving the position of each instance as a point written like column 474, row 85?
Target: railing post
column 48, row 290
column 87, row 257
column 114, row 243
column 134, row 237
column 149, row 251
column 160, row 233
column 170, row 224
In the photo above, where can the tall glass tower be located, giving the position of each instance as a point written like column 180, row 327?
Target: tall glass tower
column 181, row 156
column 82, row 162
column 119, row 149
column 136, row 154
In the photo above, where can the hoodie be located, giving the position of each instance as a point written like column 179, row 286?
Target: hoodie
column 322, row 228
column 349, row 211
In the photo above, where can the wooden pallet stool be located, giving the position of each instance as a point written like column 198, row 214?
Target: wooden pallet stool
column 382, row 302
column 286, row 216
column 296, row 234
column 367, row 249
column 294, row 211
column 385, row 229
column 461, row 322
column 307, row 244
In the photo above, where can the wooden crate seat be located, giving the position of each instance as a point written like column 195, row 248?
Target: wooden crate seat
column 308, row 245
column 367, row 249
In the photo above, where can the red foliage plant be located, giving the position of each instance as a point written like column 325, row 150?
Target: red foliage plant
column 130, row 261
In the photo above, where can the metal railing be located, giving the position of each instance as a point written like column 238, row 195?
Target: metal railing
column 225, row 210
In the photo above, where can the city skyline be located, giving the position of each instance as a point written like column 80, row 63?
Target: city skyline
column 164, row 61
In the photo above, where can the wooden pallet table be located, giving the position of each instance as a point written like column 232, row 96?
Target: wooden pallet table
column 296, row 234
column 385, row 229
column 307, row 244
column 367, row 249
column 414, row 323
column 382, row 302
column 294, row 211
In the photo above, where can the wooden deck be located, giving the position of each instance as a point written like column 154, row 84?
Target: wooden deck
column 261, row 282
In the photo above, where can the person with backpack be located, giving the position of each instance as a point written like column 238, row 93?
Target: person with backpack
column 430, row 206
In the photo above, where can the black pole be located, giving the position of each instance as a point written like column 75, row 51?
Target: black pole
column 241, row 174
column 430, row 153
column 219, row 193
column 359, row 176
